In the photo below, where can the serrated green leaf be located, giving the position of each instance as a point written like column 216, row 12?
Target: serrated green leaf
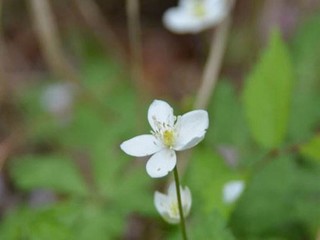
column 267, row 94
column 54, row 172
column 312, row 148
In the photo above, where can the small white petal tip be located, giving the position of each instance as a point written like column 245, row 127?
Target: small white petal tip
column 194, row 16
column 232, row 191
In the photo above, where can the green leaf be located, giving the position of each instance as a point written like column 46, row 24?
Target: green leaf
column 306, row 54
column 96, row 222
column 43, row 127
column 305, row 115
column 54, row 172
column 68, row 220
column 36, row 224
column 211, row 226
column 267, row 94
column 280, row 201
column 136, row 186
column 119, row 179
column 203, row 226
column 312, row 148
column 209, row 175
column 228, row 125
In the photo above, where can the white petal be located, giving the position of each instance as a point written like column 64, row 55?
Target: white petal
column 218, row 11
column 161, row 163
column 172, row 192
column 163, row 207
column 140, row 146
column 186, row 201
column 170, row 219
column 161, row 112
column 161, row 202
column 180, row 21
column 185, row 197
column 232, row 191
column 192, row 129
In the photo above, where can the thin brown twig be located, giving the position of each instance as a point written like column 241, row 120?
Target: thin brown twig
column 210, row 77
column 136, row 56
column 134, row 28
column 48, row 36
column 273, row 154
column 3, row 83
column 47, row 32
column 7, row 146
column 213, row 65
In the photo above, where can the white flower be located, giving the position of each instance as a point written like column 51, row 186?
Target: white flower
column 167, row 205
column 193, row 16
column 232, row 191
column 169, row 134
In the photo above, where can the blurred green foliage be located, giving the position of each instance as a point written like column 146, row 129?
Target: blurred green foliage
column 45, row 176
column 311, row 149
column 271, row 131
column 97, row 198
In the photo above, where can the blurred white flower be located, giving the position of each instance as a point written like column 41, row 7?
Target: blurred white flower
column 167, row 205
column 232, row 191
column 57, row 99
column 169, row 134
column 193, row 16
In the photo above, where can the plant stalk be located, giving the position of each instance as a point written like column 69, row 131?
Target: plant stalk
column 182, row 221
column 47, row 32
column 210, row 73
column 136, row 56
column 134, row 28
column 213, row 65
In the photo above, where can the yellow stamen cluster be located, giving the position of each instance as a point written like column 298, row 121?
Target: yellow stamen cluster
column 168, row 138
column 199, row 9
column 174, row 209
column 164, row 132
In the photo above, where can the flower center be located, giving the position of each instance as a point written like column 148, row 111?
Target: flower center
column 174, row 209
column 199, row 9
column 168, row 138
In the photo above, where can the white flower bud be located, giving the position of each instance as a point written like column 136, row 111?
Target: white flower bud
column 167, row 205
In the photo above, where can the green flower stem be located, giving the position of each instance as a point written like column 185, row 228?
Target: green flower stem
column 182, row 222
